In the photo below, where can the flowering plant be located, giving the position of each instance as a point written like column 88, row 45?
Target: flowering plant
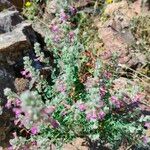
column 77, row 101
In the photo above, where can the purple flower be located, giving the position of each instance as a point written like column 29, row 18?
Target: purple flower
column 54, row 123
column 17, row 102
column 61, row 87
column 101, row 115
column 147, row 125
column 54, row 28
column 145, row 139
column 101, row 103
column 116, row 102
column 56, row 38
column 63, row 16
column 34, row 130
column 102, row 91
column 17, row 111
column 10, row 148
column 138, row 97
column 71, row 35
column 15, row 135
column 107, row 74
column 49, row 110
column 34, row 143
column 8, row 104
column 91, row 116
column 64, row 113
column 73, row 10
column 16, row 122
column 81, row 107
column 26, row 74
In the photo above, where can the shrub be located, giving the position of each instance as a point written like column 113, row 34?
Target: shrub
column 77, row 101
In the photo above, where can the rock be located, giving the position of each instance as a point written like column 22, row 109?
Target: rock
column 5, row 4
column 51, row 7
column 18, row 3
column 82, row 3
column 21, row 84
column 137, row 6
column 122, row 83
column 124, row 8
column 14, row 44
column 111, row 8
column 41, row 29
column 77, row 144
column 116, row 33
column 9, row 19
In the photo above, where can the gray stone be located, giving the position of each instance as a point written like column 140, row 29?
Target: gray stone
column 5, row 4
column 8, row 20
column 14, row 44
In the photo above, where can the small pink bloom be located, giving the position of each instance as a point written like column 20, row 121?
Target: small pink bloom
column 34, row 143
column 34, row 130
column 71, row 36
column 10, row 148
column 138, row 97
column 73, row 10
column 49, row 110
column 145, row 139
column 147, row 124
column 29, row 75
column 15, row 135
column 54, row 123
column 103, row 91
column 81, row 107
column 63, row 16
column 91, row 116
column 56, row 39
column 8, row 104
column 17, row 102
column 17, row 111
column 24, row 72
column 107, row 74
column 61, row 87
column 54, row 28
column 64, row 113
column 116, row 102
column 101, row 115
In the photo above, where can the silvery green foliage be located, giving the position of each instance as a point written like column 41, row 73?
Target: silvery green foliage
column 39, row 54
column 56, row 111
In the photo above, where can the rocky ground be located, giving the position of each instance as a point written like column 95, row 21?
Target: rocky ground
column 115, row 35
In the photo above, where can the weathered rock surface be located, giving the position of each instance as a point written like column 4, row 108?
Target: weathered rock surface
column 82, row 3
column 77, row 144
column 116, row 33
column 16, row 38
column 8, row 20
column 14, row 44
column 5, row 4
